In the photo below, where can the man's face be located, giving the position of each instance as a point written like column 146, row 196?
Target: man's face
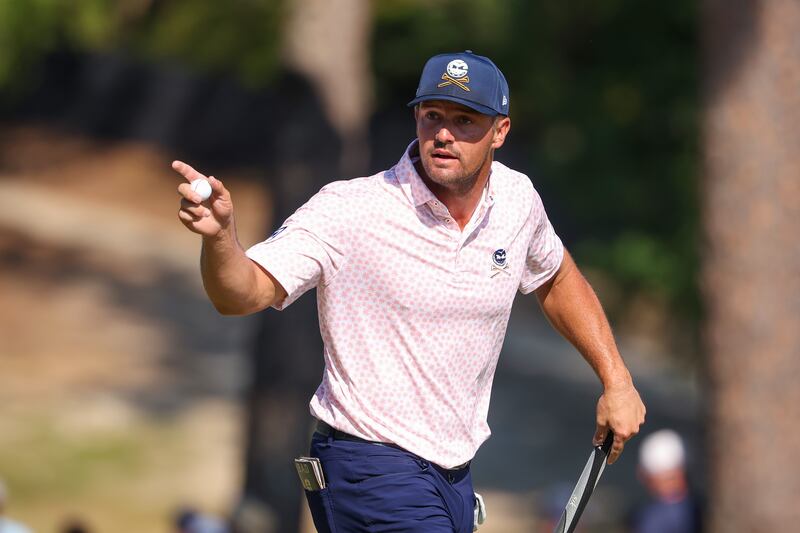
column 456, row 143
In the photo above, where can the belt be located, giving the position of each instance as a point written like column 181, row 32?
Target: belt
column 326, row 430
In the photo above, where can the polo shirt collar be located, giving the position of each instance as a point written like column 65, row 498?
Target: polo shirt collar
column 415, row 189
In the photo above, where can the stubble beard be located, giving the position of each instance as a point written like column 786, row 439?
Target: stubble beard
column 458, row 184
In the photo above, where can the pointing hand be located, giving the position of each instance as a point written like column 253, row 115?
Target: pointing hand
column 209, row 217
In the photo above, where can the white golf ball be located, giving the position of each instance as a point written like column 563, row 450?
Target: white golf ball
column 203, row 188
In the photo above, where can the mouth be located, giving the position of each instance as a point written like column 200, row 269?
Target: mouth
column 442, row 155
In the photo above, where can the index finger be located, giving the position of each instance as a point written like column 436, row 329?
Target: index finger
column 187, row 171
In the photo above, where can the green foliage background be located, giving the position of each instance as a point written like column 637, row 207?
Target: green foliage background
column 604, row 94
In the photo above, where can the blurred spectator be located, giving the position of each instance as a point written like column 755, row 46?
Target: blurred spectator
column 191, row 521
column 6, row 524
column 662, row 470
column 251, row 516
column 73, row 525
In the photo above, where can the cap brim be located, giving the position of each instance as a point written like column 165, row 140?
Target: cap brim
column 486, row 110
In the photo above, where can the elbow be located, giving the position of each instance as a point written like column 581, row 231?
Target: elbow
column 227, row 310
column 240, row 307
column 231, row 309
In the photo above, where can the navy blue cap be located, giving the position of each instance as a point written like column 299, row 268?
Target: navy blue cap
column 467, row 79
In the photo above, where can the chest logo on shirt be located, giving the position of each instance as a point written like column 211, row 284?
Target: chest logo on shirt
column 499, row 263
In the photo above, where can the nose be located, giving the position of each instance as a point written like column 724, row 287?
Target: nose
column 444, row 136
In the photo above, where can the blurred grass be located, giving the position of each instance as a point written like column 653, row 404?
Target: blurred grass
column 44, row 461
column 126, row 474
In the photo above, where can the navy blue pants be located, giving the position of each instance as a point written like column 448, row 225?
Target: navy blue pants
column 374, row 488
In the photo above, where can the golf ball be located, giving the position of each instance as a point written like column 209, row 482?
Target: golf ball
column 203, row 188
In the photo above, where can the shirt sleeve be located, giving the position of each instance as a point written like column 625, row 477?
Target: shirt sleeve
column 308, row 249
column 545, row 250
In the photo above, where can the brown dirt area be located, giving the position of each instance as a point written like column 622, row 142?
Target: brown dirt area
column 111, row 402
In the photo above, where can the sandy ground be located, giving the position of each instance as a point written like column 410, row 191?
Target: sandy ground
column 118, row 381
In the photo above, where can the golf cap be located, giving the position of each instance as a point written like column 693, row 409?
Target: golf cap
column 464, row 78
column 661, row 451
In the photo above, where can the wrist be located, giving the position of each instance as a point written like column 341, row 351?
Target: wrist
column 617, row 380
column 225, row 235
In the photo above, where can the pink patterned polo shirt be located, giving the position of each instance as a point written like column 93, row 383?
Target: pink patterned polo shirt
column 412, row 309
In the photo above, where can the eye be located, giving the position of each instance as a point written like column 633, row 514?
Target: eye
column 432, row 115
column 464, row 120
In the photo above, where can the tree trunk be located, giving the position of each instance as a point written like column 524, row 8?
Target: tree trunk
column 751, row 271
column 328, row 43
column 319, row 136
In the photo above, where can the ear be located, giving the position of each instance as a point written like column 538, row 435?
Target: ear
column 501, row 128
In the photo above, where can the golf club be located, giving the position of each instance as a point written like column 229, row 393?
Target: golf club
column 585, row 486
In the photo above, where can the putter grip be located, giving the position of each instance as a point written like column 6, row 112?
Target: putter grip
column 606, row 446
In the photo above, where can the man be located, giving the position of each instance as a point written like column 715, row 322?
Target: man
column 415, row 269
column 662, row 470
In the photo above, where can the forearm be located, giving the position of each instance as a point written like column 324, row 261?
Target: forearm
column 572, row 307
column 234, row 283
